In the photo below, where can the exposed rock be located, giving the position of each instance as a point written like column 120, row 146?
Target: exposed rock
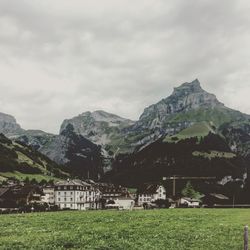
column 8, row 125
column 189, row 96
column 97, row 126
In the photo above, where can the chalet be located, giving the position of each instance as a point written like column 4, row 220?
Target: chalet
column 150, row 193
column 112, row 192
column 19, row 195
column 77, row 195
column 48, row 195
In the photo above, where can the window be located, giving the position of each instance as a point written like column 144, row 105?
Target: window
column 59, row 193
column 59, row 188
column 71, row 187
column 71, row 193
column 71, row 199
column 65, row 199
column 59, row 199
column 65, row 193
column 64, row 187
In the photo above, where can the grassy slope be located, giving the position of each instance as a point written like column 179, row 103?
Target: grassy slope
column 182, row 229
column 214, row 154
column 199, row 129
column 13, row 154
column 22, row 176
column 217, row 115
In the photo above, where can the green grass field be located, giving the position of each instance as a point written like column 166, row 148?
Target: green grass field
column 152, row 229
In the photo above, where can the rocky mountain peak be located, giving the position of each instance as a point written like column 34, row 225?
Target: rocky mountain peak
column 103, row 116
column 189, row 87
column 189, row 96
column 8, row 125
column 96, row 126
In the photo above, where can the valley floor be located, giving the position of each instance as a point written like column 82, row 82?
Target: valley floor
column 205, row 229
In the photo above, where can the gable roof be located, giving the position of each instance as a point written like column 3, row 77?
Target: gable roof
column 71, row 183
column 219, row 196
column 148, row 188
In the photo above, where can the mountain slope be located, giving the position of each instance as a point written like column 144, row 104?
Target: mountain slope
column 89, row 143
column 19, row 161
column 189, row 133
column 79, row 156
column 206, row 156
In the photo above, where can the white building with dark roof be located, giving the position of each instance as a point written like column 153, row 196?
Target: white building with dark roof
column 150, row 193
column 77, row 195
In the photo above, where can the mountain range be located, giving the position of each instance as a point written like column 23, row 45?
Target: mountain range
column 103, row 145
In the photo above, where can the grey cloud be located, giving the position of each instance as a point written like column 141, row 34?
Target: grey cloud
column 60, row 58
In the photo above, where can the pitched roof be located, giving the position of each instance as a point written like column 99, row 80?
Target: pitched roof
column 71, row 183
column 148, row 188
column 219, row 196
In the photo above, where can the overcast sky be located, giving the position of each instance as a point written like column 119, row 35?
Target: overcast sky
column 59, row 58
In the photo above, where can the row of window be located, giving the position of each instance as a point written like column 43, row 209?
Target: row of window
column 71, row 199
column 72, row 188
column 77, row 193
column 145, row 199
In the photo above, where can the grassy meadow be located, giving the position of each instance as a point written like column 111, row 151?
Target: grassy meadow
column 152, row 229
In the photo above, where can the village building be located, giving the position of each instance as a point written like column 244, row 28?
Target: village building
column 214, row 199
column 20, row 196
column 125, row 203
column 112, row 192
column 77, row 195
column 48, row 195
column 149, row 193
column 188, row 202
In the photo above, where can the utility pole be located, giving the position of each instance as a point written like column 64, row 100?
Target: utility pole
column 234, row 200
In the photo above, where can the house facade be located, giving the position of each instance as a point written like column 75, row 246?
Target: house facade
column 150, row 193
column 125, row 203
column 77, row 195
column 48, row 195
column 110, row 192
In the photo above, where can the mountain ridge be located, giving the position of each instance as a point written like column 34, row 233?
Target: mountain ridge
column 188, row 105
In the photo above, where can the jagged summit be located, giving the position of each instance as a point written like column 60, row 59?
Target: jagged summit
column 8, row 125
column 189, row 103
column 186, row 97
column 103, row 116
column 97, row 126
column 193, row 86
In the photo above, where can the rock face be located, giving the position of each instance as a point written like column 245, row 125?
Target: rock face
column 98, row 126
column 187, row 97
column 80, row 157
column 8, row 125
